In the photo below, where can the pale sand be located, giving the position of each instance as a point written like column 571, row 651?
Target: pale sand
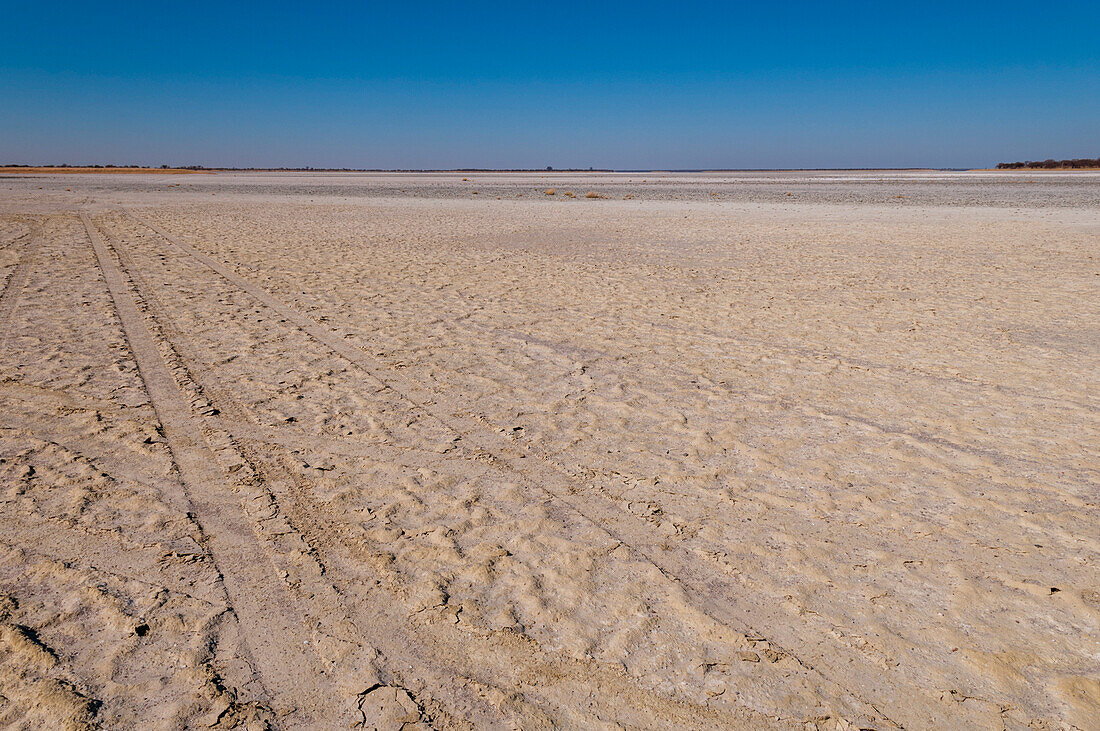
column 313, row 451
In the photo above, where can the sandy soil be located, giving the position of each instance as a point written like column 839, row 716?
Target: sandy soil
column 326, row 451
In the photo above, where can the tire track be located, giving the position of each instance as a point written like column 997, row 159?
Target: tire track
column 293, row 539
column 290, row 670
column 17, row 280
column 435, row 673
column 860, row 685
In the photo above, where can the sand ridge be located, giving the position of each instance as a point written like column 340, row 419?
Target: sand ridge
column 429, row 460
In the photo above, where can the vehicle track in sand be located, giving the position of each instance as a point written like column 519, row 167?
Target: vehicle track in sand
column 17, row 279
column 882, row 698
column 280, row 647
column 427, row 656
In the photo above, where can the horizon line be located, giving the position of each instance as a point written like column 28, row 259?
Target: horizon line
column 63, row 166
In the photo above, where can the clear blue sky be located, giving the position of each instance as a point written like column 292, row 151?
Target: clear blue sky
column 568, row 84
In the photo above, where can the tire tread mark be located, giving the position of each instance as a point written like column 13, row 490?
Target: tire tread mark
column 16, row 281
column 500, row 665
column 290, row 671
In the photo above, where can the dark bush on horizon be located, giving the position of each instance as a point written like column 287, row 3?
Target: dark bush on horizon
column 1082, row 162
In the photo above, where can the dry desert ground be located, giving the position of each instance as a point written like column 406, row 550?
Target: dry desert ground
column 787, row 450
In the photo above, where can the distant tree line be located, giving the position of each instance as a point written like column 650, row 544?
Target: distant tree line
column 1082, row 162
column 308, row 169
column 67, row 165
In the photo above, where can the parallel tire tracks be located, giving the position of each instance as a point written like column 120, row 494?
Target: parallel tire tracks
column 280, row 646
column 343, row 626
column 432, row 651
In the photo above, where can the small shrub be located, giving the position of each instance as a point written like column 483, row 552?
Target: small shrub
column 550, row 191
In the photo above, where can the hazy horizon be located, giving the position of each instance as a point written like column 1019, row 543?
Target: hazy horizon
column 623, row 87
column 548, row 169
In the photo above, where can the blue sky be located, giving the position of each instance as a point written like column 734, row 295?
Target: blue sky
column 619, row 85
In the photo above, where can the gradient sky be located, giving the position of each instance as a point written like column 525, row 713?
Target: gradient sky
column 569, row 84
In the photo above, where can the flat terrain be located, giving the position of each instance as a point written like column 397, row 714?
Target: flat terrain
column 797, row 450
